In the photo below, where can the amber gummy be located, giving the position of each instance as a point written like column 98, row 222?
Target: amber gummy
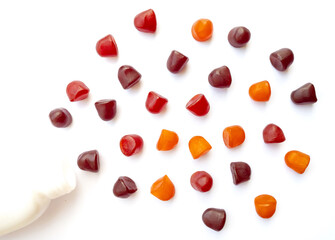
column 298, row 161
column 163, row 188
column 233, row 136
column 167, row 140
column 260, row 91
column 265, row 205
column 198, row 146
column 202, row 30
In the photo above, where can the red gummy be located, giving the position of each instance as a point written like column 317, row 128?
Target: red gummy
column 198, row 105
column 273, row 134
column 131, row 144
column 77, row 90
column 155, row 102
column 106, row 47
column 201, row 181
column 106, row 109
column 146, row 21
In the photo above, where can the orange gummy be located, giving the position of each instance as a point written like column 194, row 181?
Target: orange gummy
column 296, row 160
column 233, row 136
column 265, row 205
column 163, row 188
column 198, row 146
column 167, row 140
column 260, row 91
column 202, row 30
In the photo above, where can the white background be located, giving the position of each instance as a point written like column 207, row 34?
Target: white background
column 47, row 44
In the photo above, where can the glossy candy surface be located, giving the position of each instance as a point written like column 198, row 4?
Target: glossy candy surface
column 240, row 171
column 155, row 102
column 176, row 62
column 220, row 77
column 198, row 105
column 265, row 205
column 163, row 188
column 201, row 181
column 233, row 136
column 260, row 91
column 128, row 76
column 202, row 30
column 106, row 109
column 298, row 161
column 106, row 47
column 60, row 117
column 146, row 21
column 124, row 187
column 214, row 218
column 89, row 161
column 77, row 91
column 282, row 59
column 131, row 144
column 273, row 134
column 304, row 94
column 239, row 36
column 198, row 146
column 167, row 140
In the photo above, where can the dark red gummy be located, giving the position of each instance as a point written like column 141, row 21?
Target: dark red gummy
column 131, row 144
column 176, row 62
column 198, row 105
column 273, row 134
column 106, row 109
column 220, row 77
column 106, row 47
column 240, row 171
column 60, row 117
column 201, row 181
column 239, row 36
column 155, row 102
column 128, row 76
column 89, row 161
column 282, row 59
column 304, row 95
column 214, row 218
column 77, row 90
column 146, row 21
column 124, row 187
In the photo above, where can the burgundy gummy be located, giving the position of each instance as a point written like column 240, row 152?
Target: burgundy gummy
column 241, row 172
column 214, row 218
column 128, row 76
column 282, row 59
column 304, row 94
column 106, row 109
column 176, row 61
column 239, row 36
column 220, row 77
column 89, row 161
column 60, row 117
column 124, row 187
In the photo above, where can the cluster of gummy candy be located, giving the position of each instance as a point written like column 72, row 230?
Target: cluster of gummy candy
column 233, row 136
